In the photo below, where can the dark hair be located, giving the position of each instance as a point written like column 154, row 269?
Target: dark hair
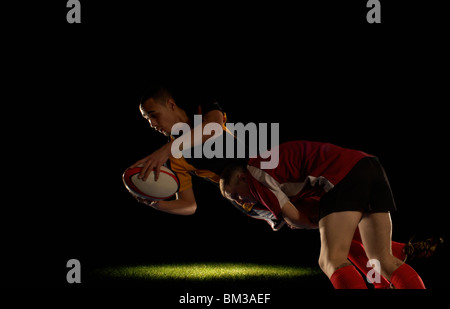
column 228, row 172
column 159, row 93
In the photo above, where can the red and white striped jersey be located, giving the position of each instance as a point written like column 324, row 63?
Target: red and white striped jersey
column 305, row 169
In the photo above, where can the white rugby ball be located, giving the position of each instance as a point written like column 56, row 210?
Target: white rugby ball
column 166, row 186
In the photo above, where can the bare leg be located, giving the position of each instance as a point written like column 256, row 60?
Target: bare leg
column 376, row 232
column 336, row 234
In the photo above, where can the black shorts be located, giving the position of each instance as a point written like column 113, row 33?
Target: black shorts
column 365, row 188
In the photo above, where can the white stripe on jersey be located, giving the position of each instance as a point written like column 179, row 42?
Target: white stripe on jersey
column 274, row 185
column 283, row 191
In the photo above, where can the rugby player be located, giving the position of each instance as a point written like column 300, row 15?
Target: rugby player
column 353, row 192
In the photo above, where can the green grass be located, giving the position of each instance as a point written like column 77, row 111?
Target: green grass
column 207, row 272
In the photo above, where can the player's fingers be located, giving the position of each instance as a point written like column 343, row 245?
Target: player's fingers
column 157, row 171
column 147, row 172
column 146, row 169
column 141, row 161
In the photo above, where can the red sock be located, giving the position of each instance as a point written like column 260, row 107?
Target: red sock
column 405, row 277
column 358, row 257
column 397, row 250
column 347, row 278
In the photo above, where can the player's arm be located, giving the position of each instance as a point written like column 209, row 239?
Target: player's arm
column 184, row 205
column 160, row 156
column 198, row 135
column 295, row 218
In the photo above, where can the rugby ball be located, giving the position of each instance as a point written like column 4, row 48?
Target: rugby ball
column 166, row 186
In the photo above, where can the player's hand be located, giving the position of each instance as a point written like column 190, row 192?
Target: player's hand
column 145, row 201
column 153, row 162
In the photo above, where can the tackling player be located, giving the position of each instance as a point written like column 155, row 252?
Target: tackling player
column 353, row 191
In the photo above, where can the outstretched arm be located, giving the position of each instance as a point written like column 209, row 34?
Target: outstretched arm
column 184, row 205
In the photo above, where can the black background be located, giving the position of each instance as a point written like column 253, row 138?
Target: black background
column 319, row 70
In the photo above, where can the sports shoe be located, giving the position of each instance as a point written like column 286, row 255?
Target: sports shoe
column 421, row 249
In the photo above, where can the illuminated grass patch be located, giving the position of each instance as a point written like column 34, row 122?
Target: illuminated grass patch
column 208, row 271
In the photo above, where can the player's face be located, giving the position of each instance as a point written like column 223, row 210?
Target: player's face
column 238, row 191
column 160, row 116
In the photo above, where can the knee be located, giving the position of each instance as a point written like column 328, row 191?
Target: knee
column 325, row 266
column 322, row 263
column 330, row 264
